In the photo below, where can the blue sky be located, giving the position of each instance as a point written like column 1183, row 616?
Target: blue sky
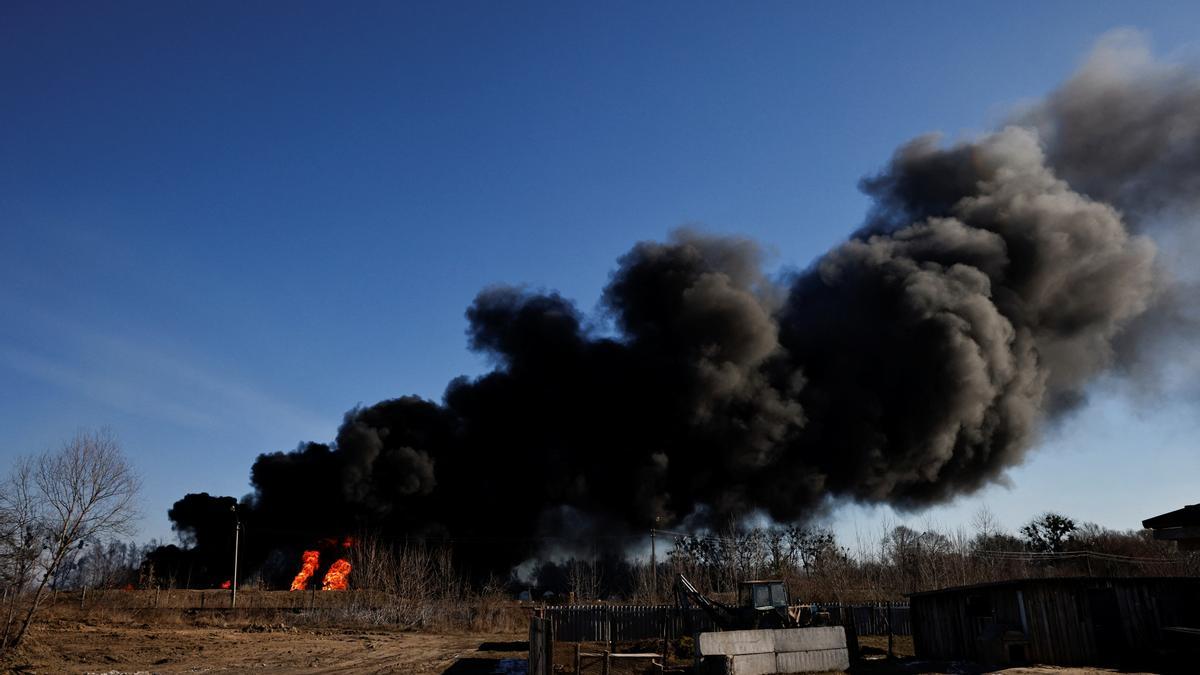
column 224, row 224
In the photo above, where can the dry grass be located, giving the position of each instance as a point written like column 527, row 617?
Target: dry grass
column 480, row 614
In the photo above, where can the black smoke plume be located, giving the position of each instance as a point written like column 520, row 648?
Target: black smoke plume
column 988, row 288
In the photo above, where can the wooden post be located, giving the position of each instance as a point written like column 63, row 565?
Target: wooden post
column 608, row 628
column 662, row 613
column 653, row 567
column 607, row 659
column 577, row 659
column 536, row 665
column 891, row 654
column 237, row 532
column 82, row 597
column 541, row 646
column 550, row 636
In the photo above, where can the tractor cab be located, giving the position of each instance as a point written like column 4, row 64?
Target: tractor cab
column 761, row 604
column 763, row 595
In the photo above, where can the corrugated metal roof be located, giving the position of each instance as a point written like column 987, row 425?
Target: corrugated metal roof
column 1188, row 516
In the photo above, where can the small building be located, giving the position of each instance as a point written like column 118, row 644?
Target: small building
column 1181, row 526
column 1056, row 621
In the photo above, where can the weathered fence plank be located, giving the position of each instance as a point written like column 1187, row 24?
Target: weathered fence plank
column 540, row 646
column 621, row 623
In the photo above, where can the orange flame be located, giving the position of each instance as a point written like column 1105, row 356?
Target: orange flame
column 226, row 584
column 336, row 579
column 311, row 560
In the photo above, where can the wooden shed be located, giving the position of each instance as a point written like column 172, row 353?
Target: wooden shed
column 1058, row 621
column 1181, row 526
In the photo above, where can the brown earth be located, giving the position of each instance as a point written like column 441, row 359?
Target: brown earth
column 113, row 646
column 60, row 646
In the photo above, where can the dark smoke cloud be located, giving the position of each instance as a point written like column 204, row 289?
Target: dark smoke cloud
column 992, row 283
column 1125, row 129
column 982, row 296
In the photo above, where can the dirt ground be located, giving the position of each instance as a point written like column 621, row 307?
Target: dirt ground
column 113, row 647
column 107, row 647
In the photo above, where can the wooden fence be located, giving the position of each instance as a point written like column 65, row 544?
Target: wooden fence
column 621, row 623
column 571, row 623
column 872, row 619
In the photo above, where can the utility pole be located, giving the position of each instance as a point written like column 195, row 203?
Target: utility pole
column 237, row 531
column 653, row 564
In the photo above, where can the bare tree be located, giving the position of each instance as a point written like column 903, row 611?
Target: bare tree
column 584, row 578
column 82, row 491
column 20, row 540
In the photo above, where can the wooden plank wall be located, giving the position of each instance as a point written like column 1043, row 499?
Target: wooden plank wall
column 1059, row 617
column 1059, row 628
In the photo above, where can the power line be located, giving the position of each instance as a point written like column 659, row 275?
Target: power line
column 1068, row 555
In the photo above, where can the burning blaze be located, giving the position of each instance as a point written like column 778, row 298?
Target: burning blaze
column 310, row 561
column 337, row 578
column 226, row 584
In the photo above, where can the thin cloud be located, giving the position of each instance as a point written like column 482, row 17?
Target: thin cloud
column 144, row 379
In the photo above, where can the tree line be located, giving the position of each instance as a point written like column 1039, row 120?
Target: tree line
column 63, row 515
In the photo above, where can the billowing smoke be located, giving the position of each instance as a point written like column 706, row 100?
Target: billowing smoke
column 1125, row 130
column 989, row 287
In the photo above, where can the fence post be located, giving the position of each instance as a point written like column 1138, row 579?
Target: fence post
column 549, row 645
column 663, row 613
column 846, row 619
column 891, row 654
column 608, row 632
column 536, row 653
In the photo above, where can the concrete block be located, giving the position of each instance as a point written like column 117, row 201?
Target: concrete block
column 754, row 664
column 716, row 665
column 815, row 661
column 806, row 639
column 735, row 642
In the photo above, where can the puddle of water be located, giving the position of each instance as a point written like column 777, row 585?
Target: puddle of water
column 512, row 667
